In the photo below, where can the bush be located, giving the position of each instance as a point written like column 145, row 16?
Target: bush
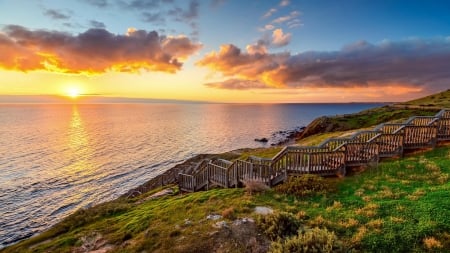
column 313, row 240
column 229, row 213
column 253, row 186
column 278, row 225
column 305, row 185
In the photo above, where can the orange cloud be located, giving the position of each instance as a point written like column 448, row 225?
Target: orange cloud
column 279, row 38
column 94, row 51
column 230, row 61
column 413, row 63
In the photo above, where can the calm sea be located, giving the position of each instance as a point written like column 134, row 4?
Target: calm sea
column 55, row 159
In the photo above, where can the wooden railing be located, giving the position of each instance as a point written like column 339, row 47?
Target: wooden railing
column 389, row 144
column 331, row 157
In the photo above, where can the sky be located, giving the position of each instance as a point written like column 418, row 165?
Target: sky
column 253, row 51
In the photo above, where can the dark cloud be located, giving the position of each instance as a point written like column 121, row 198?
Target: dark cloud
column 98, row 3
column 185, row 15
column 192, row 12
column 96, row 24
column 154, row 18
column 71, row 25
column 237, row 84
column 94, row 51
column 231, row 61
column 144, row 5
column 56, row 14
column 217, row 3
column 413, row 63
column 188, row 16
column 158, row 12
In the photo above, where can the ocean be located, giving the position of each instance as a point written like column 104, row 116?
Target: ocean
column 55, row 159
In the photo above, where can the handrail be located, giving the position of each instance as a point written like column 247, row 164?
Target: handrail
column 331, row 156
column 421, row 120
column 444, row 113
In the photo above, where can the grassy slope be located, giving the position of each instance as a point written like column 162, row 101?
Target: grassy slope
column 399, row 206
column 426, row 106
column 364, row 119
column 441, row 100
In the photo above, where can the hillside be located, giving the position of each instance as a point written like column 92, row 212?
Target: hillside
column 438, row 100
column 401, row 205
column 425, row 106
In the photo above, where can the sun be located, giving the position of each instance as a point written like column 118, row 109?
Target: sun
column 73, row 92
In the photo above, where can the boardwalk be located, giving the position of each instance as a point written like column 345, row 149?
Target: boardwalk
column 332, row 157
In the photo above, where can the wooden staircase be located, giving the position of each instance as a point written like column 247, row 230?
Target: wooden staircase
column 331, row 157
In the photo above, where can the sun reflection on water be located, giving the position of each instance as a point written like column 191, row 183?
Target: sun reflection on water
column 80, row 151
column 78, row 138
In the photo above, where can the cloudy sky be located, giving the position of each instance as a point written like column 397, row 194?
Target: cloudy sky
column 226, row 50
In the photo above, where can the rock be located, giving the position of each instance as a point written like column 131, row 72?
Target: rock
column 246, row 220
column 162, row 193
column 213, row 233
column 221, row 224
column 214, row 217
column 262, row 140
column 263, row 210
column 187, row 222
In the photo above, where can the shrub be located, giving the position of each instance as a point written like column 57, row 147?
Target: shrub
column 253, row 186
column 229, row 213
column 278, row 225
column 313, row 240
column 432, row 243
column 305, row 185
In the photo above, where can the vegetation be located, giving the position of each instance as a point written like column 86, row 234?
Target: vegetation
column 253, row 186
column 403, row 205
column 312, row 240
column 278, row 225
column 305, row 185
column 440, row 100
column 364, row 119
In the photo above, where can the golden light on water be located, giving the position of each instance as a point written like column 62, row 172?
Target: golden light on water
column 78, row 141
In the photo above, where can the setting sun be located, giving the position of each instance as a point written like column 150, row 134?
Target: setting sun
column 73, row 92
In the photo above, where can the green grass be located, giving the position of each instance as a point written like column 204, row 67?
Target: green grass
column 441, row 99
column 316, row 139
column 260, row 152
column 402, row 205
column 363, row 120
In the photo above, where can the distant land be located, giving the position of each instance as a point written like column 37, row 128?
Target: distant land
column 95, row 99
column 84, row 99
